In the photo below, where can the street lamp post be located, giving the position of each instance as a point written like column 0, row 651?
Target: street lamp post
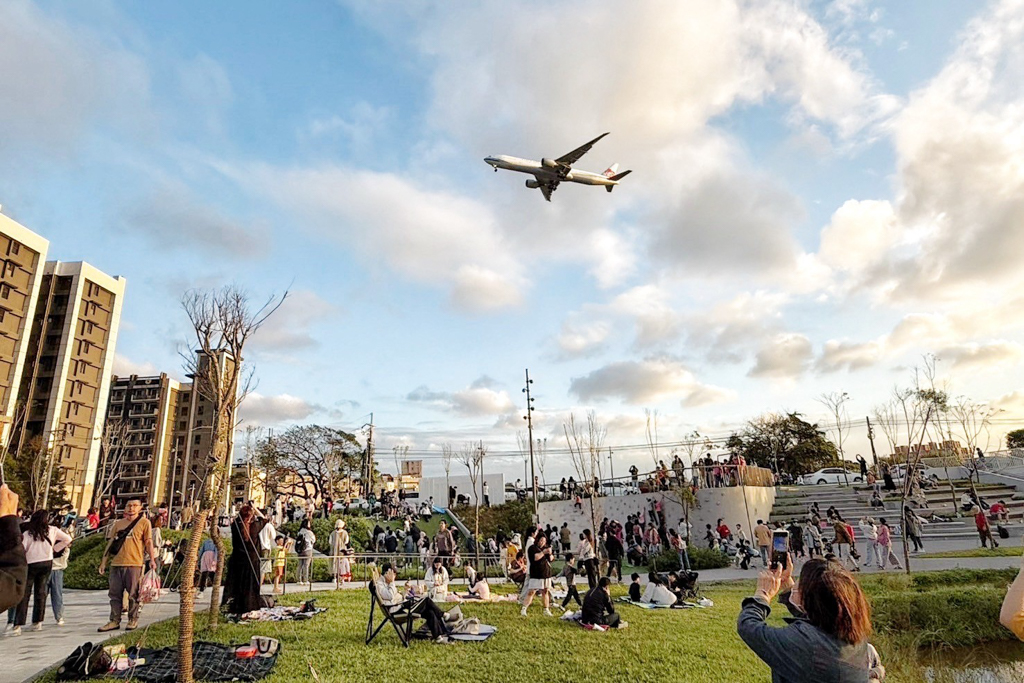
column 529, row 426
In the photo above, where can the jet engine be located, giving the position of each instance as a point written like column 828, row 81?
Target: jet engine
column 550, row 163
column 532, row 184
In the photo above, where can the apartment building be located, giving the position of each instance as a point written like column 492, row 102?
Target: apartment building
column 141, row 445
column 22, row 258
column 165, row 439
column 66, row 380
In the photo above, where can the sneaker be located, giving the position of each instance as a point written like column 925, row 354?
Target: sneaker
column 547, row 613
column 522, row 612
column 132, row 625
column 16, row 631
column 109, row 626
column 37, row 626
column 60, row 622
column 623, row 624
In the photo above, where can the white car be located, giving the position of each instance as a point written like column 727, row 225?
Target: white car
column 830, row 475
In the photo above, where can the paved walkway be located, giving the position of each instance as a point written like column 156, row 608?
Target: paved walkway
column 25, row 656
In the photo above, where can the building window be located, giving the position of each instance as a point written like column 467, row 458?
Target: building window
column 201, row 409
column 196, row 439
column 5, row 291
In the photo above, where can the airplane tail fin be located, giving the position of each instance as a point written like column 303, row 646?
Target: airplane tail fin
column 616, row 177
column 611, row 170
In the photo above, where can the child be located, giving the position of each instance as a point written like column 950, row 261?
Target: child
column 569, row 574
column 280, row 556
column 634, row 588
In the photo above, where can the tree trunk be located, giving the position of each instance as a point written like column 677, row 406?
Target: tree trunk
column 217, row 577
column 187, row 597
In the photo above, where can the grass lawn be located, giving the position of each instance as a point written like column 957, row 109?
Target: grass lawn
column 1001, row 551
column 659, row 645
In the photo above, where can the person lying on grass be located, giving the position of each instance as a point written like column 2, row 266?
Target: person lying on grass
column 393, row 600
column 827, row 640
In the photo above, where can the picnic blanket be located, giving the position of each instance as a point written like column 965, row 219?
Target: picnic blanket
column 644, row 605
column 211, row 662
column 306, row 610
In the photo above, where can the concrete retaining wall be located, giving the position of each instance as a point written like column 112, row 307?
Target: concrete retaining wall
column 724, row 503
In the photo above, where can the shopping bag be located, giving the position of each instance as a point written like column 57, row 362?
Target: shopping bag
column 149, row 591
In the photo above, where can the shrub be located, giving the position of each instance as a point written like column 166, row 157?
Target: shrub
column 953, row 616
column 700, row 559
column 359, row 531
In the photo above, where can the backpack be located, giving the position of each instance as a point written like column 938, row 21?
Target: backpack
column 85, row 661
column 1002, row 531
column 300, row 545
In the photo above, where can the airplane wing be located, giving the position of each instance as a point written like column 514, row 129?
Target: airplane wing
column 547, row 187
column 575, row 155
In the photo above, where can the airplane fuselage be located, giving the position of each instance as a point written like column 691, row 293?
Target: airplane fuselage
column 542, row 171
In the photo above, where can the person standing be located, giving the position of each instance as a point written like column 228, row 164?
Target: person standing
column 763, row 536
column 569, row 574
column 444, row 543
column 304, row 549
column 885, row 545
column 55, row 585
column 984, row 530
column 678, row 543
column 40, row 539
column 585, row 553
column 242, row 590
column 913, row 525
column 867, row 527
column 131, row 538
column 13, row 567
column 540, row 575
column 487, row 495
column 863, row 467
column 339, row 548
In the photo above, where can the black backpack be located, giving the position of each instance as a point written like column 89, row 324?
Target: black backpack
column 300, row 545
column 84, row 662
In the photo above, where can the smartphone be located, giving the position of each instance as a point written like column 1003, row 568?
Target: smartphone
column 780, row 547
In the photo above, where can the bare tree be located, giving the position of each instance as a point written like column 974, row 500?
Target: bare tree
column 446, row 461
column 970, row 419
column 585, row 443
column 17, row 425
column 540, row 456
column 524, row 448
column 401, row 453
column 836, row 403
column 223, row 321
column 651, row 434
column 472, row 456
column 113, row 443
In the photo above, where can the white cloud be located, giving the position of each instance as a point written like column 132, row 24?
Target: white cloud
column 647, row 381
column 173, row 218
column 258, row 409
column 427, row 235
column 786, row 356
column 289, row 326
column 57, row 81
column 359, row 127
column 124, row 366
column 581, row 339
column 838, row 355
column 732, row 328
column 858, row 232
column 206, row 89
column 654, row 318
column 976, row 356
column 481, row 398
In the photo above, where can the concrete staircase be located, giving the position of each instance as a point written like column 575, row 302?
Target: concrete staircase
column 853, row 502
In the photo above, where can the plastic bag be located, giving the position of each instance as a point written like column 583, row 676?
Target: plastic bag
column 149, row 590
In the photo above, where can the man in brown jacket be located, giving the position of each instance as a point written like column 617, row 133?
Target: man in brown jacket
column 126, row 563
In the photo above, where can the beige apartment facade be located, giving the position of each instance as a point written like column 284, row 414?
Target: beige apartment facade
column 69, row 362
column 22, row 259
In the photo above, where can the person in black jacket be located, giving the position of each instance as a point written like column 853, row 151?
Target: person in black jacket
column 598, row 608
column 13, row 569
column 569, row 572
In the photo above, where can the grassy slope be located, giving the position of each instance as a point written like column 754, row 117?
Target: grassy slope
column 1001, row 551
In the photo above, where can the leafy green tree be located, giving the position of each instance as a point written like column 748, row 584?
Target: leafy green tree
column 788, row 441
column 1015, row 439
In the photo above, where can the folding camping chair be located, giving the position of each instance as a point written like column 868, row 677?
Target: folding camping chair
column 402, row 618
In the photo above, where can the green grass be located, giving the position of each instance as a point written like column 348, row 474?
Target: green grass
column 1001, row 551
column 659, row 645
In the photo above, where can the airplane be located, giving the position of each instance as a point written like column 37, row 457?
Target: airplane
column 548, row 173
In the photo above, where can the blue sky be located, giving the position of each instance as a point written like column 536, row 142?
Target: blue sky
column 822, row 192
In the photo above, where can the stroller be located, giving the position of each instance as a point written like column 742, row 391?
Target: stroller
column 686, row 587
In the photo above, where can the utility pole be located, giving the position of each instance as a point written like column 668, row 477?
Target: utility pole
column 529, row 427
column 611, row 469
column 368, row 462
column 871, row 438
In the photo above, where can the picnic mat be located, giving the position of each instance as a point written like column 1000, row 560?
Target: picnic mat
column 644, row 605
column 211, row 662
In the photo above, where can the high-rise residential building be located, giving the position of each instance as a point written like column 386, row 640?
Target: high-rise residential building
column 22, row 257
column 164, row 440
column 65, row 384
column 143, row 418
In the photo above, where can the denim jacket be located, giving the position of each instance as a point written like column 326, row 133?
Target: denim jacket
column 800, row 652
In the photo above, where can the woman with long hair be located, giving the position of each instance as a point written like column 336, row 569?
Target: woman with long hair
column 41, row 540
column 585, row 553
column 827, row 641
column 242, row 590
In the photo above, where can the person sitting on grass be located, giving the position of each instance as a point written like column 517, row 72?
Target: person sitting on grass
column 436, row 579
column 657, row 592
column 635, row 590
column 569, row 574
column 598, row 609
column 393, row 600
column 517, row 570
column 827, row 642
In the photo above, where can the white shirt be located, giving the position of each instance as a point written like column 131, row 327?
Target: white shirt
column 42, row 551
column 658, row 594
column 869, row 531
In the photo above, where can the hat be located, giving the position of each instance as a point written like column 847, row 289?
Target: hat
column 340, row 524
